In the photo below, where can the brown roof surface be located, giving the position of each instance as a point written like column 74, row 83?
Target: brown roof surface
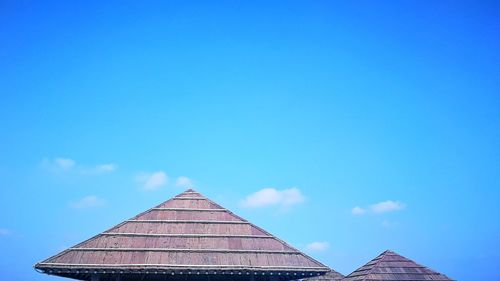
column 390, row 266
column 332, row 275
column 187, row 232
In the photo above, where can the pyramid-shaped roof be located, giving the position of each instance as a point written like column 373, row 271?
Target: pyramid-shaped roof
column 390, row 266
column 188, row 234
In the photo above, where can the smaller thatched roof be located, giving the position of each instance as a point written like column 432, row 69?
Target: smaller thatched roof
column 332, row 275
column 390, row 266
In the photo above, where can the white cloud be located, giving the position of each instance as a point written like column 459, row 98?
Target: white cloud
column 379, row 208
column 271, row 196
column 184, row 182
column 86, row 202
column 106, row 168
column 358, row 211
column 65, row 163
column 317, row 246
column 100, row 169
column 59, row 164
column 4, row 232
column 386, row 206
column 152, row 181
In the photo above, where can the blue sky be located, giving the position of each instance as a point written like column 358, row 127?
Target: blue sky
column 345, row 128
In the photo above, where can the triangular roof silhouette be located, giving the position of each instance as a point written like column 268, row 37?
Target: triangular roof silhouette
column 390, row 266
column 188, row 234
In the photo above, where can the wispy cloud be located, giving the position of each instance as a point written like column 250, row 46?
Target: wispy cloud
column 59, row 164
column 387, row 206
column 100, row 169
column 317, row 246
column 379, row 208
column 184, row 182
column 66, row 165
column 152, row 181
column 87, row 202
column 273, row 197
column 5, row 232
column 358, row 211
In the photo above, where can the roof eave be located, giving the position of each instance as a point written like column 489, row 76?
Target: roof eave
column 187, row 268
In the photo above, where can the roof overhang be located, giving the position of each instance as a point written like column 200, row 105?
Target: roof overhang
column 152, row 272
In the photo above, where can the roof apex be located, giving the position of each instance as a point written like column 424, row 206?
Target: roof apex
column 388, row 252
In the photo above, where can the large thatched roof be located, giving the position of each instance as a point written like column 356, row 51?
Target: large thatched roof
column 390, row 266
column 186, row 235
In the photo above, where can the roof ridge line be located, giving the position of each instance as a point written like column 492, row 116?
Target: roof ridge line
column 370, row 268
column 97, row 235
column 115, row 226
column 271, row 235
column 377, row 260
column 416, row 263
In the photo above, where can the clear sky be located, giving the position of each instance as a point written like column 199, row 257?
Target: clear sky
column 366, row 125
